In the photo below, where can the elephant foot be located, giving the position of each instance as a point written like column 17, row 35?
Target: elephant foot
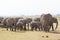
column 52, row 30
column 7, row 29
column 35, row 29
column 12, row 29
column 46, row 30
column 39, row 30
column 31, row 30
column 15, row 30
column 20, row 30
column 25, row 29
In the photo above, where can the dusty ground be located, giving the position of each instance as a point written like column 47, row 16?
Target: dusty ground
column 30, row 35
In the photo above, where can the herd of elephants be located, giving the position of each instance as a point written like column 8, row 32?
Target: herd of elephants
column 42, row 23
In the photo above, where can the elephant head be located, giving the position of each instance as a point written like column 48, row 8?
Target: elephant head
column 55, row 21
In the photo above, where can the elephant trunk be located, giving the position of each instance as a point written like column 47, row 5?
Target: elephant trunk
column 56, row 25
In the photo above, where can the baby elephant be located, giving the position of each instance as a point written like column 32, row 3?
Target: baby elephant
column 35, row 24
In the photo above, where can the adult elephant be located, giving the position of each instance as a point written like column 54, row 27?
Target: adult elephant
column 38, row 20
column 47, row 22
column 16, row 20
column 54, row 20
column 1, row 18
column 28, row 21
column 10, row 23
column 4, row 22
column 21, row 24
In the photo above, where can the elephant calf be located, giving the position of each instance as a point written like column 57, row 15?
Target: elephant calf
column 35, row 24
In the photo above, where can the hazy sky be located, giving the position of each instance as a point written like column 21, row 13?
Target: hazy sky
column 28, row 7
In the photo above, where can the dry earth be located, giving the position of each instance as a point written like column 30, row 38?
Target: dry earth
column 30, row 35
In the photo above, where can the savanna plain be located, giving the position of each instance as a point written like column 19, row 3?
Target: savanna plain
column 30, row 35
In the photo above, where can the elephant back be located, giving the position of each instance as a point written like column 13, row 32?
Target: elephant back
column 10, row 21
column 45, row 19
column 28, row 20
column 37, row 19
column 22, row 20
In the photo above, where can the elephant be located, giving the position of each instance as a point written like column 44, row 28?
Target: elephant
column 21, row 24
column 24, row 22
column 35, row 24
column 4, row 22
column 54, row 20
column 10, row 23
column 38, row 20
column 28, row 21
column 1, row 18
column 47, row 21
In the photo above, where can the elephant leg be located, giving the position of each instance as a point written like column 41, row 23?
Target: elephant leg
column 18, row 27
column 28, row 26
column 39, row 28
column 52, row 28
column 32, row 28
column 42, row 27
column 7, row 28
column 35, row 28
column 48, row 28
column 21, row 28
column 45, row 29
column 25, row 27
column 15, row 28
column 12, row 27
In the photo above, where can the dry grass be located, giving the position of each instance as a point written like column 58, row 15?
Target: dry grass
column 30, row 35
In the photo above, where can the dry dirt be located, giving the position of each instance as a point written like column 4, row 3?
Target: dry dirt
column 30, row 35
